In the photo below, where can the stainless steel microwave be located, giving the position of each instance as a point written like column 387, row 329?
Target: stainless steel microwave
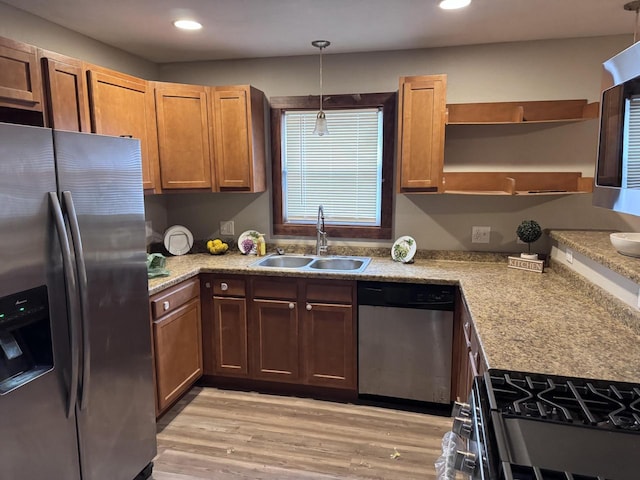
column 617, row 182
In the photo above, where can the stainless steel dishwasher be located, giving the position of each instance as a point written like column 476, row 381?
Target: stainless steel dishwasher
column 405, row 340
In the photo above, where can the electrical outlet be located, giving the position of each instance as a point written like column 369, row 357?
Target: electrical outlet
column 226, row 227
column 569, row 255
column 480, row 234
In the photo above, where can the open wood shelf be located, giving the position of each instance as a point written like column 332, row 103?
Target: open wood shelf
column 521, row 112
column 516, row 183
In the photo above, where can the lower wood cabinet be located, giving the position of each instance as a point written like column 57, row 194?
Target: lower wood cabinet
column 468, row 360
column 291, row 331
column 329, row 331
column 274, row 334
column 177, row 341
column 228, row 340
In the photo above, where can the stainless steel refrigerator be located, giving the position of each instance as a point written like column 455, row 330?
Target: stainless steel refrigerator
column 76, row 385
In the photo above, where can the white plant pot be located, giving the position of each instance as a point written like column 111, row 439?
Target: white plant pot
column 529, row 256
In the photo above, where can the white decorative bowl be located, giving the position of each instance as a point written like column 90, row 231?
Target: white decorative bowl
column 626, row 243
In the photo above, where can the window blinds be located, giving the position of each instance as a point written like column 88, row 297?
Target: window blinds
column 631, row 160
column 341, row 171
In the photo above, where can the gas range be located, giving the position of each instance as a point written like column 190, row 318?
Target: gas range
column 526, row 426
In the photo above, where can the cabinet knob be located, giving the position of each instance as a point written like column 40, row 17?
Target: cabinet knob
column 292, row 305
column 224, row 286
column 165, row 306
column 207, row 285
column 309, row 307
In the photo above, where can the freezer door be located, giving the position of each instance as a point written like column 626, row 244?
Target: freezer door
column 116, row 416
column 37, row 438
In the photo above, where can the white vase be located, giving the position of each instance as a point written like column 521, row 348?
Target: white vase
column 529, row 256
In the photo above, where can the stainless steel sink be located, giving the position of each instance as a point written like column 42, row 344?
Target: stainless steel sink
column 284, row 261
column 337, row 263
column 314, row 263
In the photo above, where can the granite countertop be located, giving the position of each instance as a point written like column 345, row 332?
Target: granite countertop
column 525, row 321
column 596, row 245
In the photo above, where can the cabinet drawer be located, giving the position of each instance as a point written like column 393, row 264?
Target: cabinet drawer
column 172, row 298
column 229, row 287
column 330, row 292
column 275, row 288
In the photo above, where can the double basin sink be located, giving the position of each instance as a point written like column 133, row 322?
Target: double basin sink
column 315, row 263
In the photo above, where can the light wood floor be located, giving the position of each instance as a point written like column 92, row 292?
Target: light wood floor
column 227, row 435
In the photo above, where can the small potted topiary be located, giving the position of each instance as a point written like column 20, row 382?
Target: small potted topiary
column 529, row 231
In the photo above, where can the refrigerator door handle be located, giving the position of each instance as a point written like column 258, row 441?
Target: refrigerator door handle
column 72, row 295
column 81, row 272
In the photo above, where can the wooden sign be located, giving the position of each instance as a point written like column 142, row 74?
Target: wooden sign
column 524, row 264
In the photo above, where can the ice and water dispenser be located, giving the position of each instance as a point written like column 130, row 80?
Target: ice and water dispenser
column 26, row 350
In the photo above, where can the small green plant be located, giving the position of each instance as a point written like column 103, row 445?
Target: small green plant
column 529, row 231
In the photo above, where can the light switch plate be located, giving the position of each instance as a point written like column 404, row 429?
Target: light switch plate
column 569, row 255
column 226, row 227
column 480, row 234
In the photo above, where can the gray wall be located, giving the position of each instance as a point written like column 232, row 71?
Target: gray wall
column 501, row 72
column 543, row 70
column 25, row 27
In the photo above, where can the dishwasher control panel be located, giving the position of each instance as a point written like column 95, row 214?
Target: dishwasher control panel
column 407, row 295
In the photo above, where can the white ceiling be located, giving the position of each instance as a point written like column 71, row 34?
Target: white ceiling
column 267, row 28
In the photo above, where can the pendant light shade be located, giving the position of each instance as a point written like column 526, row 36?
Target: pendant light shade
column 321, row 125
column 321, row 121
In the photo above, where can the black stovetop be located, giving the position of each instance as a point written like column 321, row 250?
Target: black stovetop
column 547, row 423
column 577, row 401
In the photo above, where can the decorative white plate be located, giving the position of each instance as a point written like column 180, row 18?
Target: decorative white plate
column 247, row 242
column 178, row 240
column 403, row 249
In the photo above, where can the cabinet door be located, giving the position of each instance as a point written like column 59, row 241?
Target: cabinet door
column 274, row 340
column 230, row 336
column 122, row 105
column 178, row 351
column 329, row 345
column 239, row 138
column 421, row 123
column 20, row 79
column 183, row 136
column 67, row 105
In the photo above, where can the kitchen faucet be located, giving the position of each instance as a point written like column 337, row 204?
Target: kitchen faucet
column 321, row 239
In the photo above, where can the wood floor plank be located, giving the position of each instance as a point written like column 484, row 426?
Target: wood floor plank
column 228, row 435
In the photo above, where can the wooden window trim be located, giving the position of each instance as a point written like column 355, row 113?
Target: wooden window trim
column 365, row 100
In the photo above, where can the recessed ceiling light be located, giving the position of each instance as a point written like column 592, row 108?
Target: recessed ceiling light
column 187, row 25
column 454, row 4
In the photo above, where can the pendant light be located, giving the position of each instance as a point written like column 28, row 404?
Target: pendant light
column 321, row 121
column 634, row 7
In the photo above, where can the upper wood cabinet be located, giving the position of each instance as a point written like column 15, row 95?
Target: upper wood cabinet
column 239, row 138
column 20, row 79
column 123, row 105
column 487, row 120
column 421, row 127
column 66, row 99
column 183, row 136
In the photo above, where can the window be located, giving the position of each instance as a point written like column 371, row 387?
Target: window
column 349, row 171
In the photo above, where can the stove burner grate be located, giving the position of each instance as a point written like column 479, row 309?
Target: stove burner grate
column 578, row 401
